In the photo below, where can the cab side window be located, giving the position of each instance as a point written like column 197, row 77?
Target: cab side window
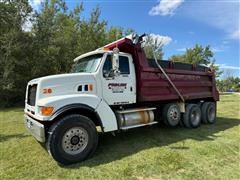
column 107, row 65
column 123, row 65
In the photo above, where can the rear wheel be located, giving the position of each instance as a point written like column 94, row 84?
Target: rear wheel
column 171, row 114
column 192, row 116
column 209, row 112
column 73, row 139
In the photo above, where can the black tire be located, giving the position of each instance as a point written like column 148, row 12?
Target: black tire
column 192, row 116
column 85, row 139
column 181, row 121
column 204, row 112
column 209, row 112
column 171, row 114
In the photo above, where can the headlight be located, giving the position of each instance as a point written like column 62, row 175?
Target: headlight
column 46, row 111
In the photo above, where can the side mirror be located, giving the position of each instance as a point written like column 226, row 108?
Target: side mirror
column 109, row 74
column 105, row 74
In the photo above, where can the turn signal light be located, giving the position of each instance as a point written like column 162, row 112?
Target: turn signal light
column 46, row 111
column 90, row 87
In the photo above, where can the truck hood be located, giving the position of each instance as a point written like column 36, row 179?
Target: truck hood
column 60, row 77
column 63, row 84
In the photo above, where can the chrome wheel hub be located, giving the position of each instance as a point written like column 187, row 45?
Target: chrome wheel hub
column 75, row 140
column 173, row 114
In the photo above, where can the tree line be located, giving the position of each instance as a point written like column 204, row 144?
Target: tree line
column 229, row 84
column 57, row 35
column 44, row 42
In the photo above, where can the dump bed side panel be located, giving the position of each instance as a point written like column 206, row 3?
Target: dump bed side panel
column 193, row 83
column 155, row 87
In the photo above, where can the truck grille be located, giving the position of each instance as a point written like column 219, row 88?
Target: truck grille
column 31, row 98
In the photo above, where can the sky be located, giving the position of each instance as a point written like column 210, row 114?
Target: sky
column 179, row 24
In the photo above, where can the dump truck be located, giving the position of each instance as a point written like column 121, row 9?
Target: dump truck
column 113, row 89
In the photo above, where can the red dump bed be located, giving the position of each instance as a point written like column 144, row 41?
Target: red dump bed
column 193, row 82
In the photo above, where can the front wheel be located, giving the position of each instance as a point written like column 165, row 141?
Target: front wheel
column 72, row 139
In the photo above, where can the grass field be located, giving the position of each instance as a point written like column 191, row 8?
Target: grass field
column 156, row 152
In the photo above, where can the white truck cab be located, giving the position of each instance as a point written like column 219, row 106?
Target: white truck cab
column 92, row 87
column 90, row 83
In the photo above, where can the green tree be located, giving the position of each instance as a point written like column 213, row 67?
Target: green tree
column 92, row 32
column 55, row 32
column 57, row 36
column 229, row 83
column 195, row 55
column 198, row 55
column 177, row 58
column 217, row 70
column 15, row 48
column 153, row 44
column 129, row 31
column 114, row 33
column 61, row 35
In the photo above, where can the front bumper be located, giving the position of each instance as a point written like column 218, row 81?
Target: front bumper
column 36, row 128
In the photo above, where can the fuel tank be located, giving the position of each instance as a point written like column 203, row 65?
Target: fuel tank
column 132, row 117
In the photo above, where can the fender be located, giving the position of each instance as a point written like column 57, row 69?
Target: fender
column 71, row 107
column 107, row 117
column 90, row 102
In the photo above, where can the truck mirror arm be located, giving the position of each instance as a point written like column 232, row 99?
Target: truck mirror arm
column 110, row 75
column 115, row 63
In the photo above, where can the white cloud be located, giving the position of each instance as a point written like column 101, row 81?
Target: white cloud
column 165, row 7
column 225, row 42
column 181, row 49
column 217, row 49
column 214, row 49
column 164, row 40
column 223, row 15
column 235, row 35
column 191, row 32
column 224, row 66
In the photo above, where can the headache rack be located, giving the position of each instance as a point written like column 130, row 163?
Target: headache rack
column 165, row 64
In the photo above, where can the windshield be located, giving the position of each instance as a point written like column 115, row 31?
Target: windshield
column 88, row 64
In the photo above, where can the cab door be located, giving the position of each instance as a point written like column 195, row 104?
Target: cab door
column 120, row 89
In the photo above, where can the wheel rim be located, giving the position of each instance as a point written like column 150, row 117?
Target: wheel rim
column 174, row 115
column 211, row 114
column 75, row 140
column 195, row 117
